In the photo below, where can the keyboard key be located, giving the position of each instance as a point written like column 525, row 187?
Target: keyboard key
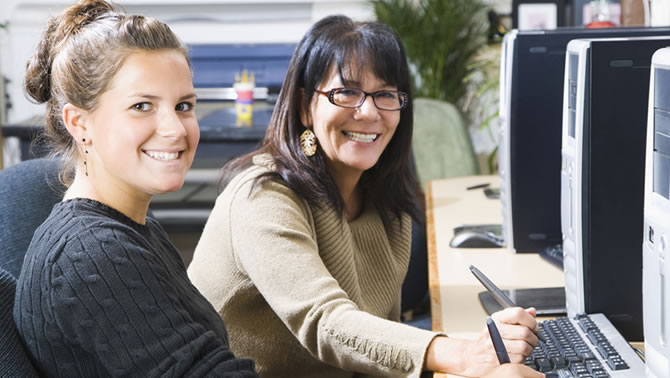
column 616, row 363
column 543, row 364
column 586, row 355
column 558, row 362
column 567, row 353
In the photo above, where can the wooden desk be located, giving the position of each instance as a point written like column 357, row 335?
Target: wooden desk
column 455, row 306
column 456, row 309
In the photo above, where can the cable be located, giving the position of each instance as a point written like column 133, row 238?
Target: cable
column 638, row 351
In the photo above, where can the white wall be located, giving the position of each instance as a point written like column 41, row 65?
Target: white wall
column 207, row 21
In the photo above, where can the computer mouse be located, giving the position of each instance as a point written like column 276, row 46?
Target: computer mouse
column 475, row 239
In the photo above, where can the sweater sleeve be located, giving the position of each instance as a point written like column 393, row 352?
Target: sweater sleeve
column 274, row 244
column 115, row 300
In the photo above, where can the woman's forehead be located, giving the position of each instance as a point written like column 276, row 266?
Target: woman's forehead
column 354, row 75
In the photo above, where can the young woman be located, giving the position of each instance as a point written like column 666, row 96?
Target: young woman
column 306, row 249
column 102, row 291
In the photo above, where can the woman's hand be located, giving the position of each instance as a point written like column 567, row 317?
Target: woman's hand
column 513, row 371
column 475, row 358
column 518, row 329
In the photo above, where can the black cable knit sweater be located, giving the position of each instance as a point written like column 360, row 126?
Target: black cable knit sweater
column 101, row 295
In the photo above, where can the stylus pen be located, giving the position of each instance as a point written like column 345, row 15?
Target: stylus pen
column 497, row 294
column 479, row 186
column 498, row 344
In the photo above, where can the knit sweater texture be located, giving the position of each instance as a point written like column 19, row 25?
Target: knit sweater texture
column 101, row 295
column 307, row 294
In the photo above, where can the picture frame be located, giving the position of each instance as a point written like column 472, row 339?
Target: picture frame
column 538, row 14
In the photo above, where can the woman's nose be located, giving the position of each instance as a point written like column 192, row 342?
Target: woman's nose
column 368, row 110
column 171, row 126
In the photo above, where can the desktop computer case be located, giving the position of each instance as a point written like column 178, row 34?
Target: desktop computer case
column 656, row 234
column 529, row 145
column 602, row 177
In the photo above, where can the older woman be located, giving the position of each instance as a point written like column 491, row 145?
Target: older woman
column 306, row 249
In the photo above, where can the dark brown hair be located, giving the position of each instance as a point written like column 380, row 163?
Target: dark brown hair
column 80, row 51
column 352, row 48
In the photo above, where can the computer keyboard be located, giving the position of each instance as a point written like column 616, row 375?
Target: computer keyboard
column 584, row 346
column 553, row 254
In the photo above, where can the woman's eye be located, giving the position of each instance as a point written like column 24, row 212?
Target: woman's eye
column 142, row 107
column 185, row 107
column 348, row 92
column 387, row 95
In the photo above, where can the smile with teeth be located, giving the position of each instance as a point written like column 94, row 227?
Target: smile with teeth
column 165, row 156
column 360, row 137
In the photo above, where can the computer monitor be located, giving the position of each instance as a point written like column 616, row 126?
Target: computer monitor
column 606, row 95
column 529, row 149
column 656, row 234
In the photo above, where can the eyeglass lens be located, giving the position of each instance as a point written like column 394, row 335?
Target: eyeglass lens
column 387, row 100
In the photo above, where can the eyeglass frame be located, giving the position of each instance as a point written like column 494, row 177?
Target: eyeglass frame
column 331, row 98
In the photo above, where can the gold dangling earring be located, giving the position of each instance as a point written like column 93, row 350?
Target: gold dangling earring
column 308, row 143
column 85, row 154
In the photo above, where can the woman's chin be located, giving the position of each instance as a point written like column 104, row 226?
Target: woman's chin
column 168, row 187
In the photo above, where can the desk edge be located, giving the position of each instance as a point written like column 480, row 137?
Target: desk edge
column 433, row 275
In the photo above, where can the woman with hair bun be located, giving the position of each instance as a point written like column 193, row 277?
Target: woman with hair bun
column 102, row 291
column 306, row 249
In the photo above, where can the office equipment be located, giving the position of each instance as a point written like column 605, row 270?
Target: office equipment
column 563, row 349
column 476, row 239
column 492, row 193
column 498, row 294
column 478, row 186
column 456, row 309
column 529, row 150
column 584, row 346
column 545, row 300
column 215, row 66
column 656, row 230
column 496, row 339
column 602, row 176
column 553, row 255
column 492, row 288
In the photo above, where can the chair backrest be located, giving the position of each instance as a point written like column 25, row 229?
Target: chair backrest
column 441, row 143
column 14, row 361
column 28, row 192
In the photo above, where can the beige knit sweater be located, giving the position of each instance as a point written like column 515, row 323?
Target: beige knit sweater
column 301, row 291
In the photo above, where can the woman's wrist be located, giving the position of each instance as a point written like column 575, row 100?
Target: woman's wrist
column 447, row 355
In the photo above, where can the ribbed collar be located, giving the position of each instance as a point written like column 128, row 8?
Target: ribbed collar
column 99, row 208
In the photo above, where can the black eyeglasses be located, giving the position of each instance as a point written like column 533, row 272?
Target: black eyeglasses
column 354, row 97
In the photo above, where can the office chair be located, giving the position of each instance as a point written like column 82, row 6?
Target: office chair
column 14, row 360
column 441, row 147
column 28, row 192
column 441, row 142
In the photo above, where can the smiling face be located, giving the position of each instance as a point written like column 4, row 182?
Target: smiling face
column 351, row 139
column 144, row 131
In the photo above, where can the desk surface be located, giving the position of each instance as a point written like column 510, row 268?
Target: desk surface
column 455, row 306
column 456, row 309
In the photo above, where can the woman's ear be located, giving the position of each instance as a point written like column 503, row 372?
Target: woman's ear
column 305, row 114
column 74, row 119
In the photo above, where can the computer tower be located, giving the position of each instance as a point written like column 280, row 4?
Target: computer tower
column 656, row 232
column 529, row 149
column 606, row 95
